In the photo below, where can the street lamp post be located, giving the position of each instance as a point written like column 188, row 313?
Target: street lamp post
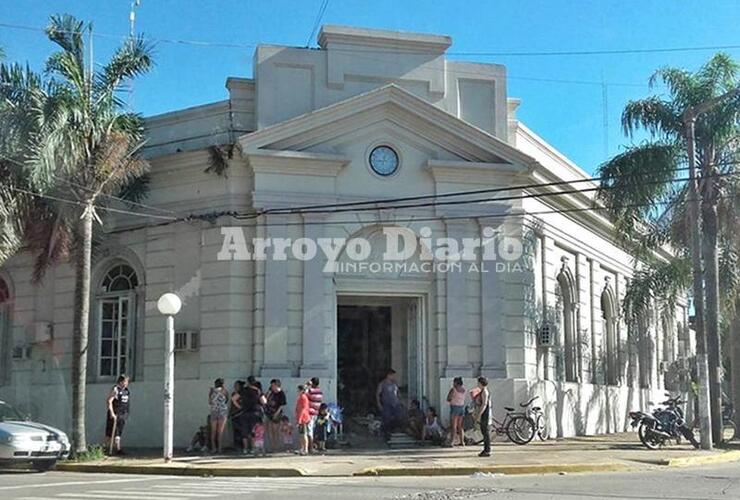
column 169, row 305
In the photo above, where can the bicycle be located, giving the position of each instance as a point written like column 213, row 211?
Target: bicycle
column 536, row 414
column 517, row 426
column 729, row 430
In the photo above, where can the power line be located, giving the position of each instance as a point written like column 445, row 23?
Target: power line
column 356, row 51
column 90, row 190
column 82, row 204
column 319, row 15
column 474, row 201
column 379, row 201
column 557, row 53
column 257, row 223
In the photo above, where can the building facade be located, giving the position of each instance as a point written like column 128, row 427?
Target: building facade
column 534, row 303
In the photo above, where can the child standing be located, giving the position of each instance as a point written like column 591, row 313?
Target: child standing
column 322, row 428
column 302, row 419
column 259, row 438
column 286, row 431
column 456, row 399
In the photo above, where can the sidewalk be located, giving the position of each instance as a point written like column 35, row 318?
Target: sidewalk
column 616, row 452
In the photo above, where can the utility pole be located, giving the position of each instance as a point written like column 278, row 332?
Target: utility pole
column 707, row 339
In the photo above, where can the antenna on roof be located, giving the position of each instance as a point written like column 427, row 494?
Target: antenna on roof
column 132, row 17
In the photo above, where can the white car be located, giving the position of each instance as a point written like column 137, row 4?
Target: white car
column 23, row 441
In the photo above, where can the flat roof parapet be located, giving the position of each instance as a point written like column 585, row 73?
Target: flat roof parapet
column 383, row 39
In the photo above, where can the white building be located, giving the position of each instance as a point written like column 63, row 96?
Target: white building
column 307, row 124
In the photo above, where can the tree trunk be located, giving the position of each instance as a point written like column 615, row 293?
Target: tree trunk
column 80, row 331
column 711, row 288
column 735, row 366
column 698, row 292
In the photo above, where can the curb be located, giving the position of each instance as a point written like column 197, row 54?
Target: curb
column 720, row 458
column 169, row 470
column 189, row 470
column 495, row 469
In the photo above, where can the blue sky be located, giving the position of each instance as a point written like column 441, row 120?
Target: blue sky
column 568, row 115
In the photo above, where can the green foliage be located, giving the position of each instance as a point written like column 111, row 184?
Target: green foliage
column 647, row 176
column 218, row 159
column 662, row 282
column 94, row 453
column 66, row 135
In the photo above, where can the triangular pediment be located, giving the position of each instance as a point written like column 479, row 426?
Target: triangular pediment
column 395, row 106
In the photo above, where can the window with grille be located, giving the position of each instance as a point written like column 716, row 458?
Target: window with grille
column 116, row 321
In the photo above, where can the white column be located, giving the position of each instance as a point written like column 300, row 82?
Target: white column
column 552, row 265
column 316, row 306
column 275, row 362
column 492, row 306
column 583, row 319
column 598, row 332
column 458, row 364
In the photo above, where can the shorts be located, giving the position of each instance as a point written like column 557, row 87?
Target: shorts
column 219, row 413
column 457, row 411
column 303, row 429
column 312, row 425
column 120, row 423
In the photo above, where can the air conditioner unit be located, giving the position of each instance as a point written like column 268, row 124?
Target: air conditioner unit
column 187, row 341
column 44, row 332
column 546, row 335
column 21, row 352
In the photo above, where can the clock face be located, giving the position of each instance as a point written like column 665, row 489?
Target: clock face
column 384, row 161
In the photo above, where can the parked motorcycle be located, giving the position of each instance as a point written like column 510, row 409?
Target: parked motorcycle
column 663, row 425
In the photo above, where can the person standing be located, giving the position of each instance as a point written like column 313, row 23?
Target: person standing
column 252, row 412
column 315, row 399
column 302, row 418
column 218, row 402
column 235, row 413
column 118, row 406
column 456, row 399
column 388, row 402
column 274, row 408
column 483, row 414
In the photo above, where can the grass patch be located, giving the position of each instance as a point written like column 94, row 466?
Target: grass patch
column 94, row 453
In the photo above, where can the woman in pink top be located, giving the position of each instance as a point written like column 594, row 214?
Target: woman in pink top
column 456, row 398
column 302, row 418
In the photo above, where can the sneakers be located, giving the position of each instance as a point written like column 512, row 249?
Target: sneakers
column 484, row 454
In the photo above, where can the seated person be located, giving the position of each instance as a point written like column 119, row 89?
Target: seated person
column 433, row 431
column 415, row 424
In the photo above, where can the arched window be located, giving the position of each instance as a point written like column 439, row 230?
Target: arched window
column 116, row 306
column 5, row 340
column 609, row 317
column 567, row 285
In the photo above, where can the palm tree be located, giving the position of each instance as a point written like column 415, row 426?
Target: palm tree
column 79, row 140
column 660, row 161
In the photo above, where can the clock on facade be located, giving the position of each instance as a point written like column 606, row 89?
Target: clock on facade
column 384, row 160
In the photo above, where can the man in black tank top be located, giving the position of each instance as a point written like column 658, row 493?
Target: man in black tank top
column 118, row 408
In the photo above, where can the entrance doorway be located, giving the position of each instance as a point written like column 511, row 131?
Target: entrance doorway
column 364, row 340
column 373, row 335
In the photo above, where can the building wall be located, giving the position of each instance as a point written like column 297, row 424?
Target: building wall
column 278, row 318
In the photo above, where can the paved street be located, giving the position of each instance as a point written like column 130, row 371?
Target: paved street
column 721, row 481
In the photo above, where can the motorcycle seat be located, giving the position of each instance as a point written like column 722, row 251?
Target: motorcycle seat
column 508, row 409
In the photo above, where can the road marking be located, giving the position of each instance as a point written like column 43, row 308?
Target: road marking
column 112, row 494
column 78, row 483
column 149, row 493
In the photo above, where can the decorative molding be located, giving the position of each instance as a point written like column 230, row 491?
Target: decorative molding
column 296, row 163
column 395, row 40
column 400, row 105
